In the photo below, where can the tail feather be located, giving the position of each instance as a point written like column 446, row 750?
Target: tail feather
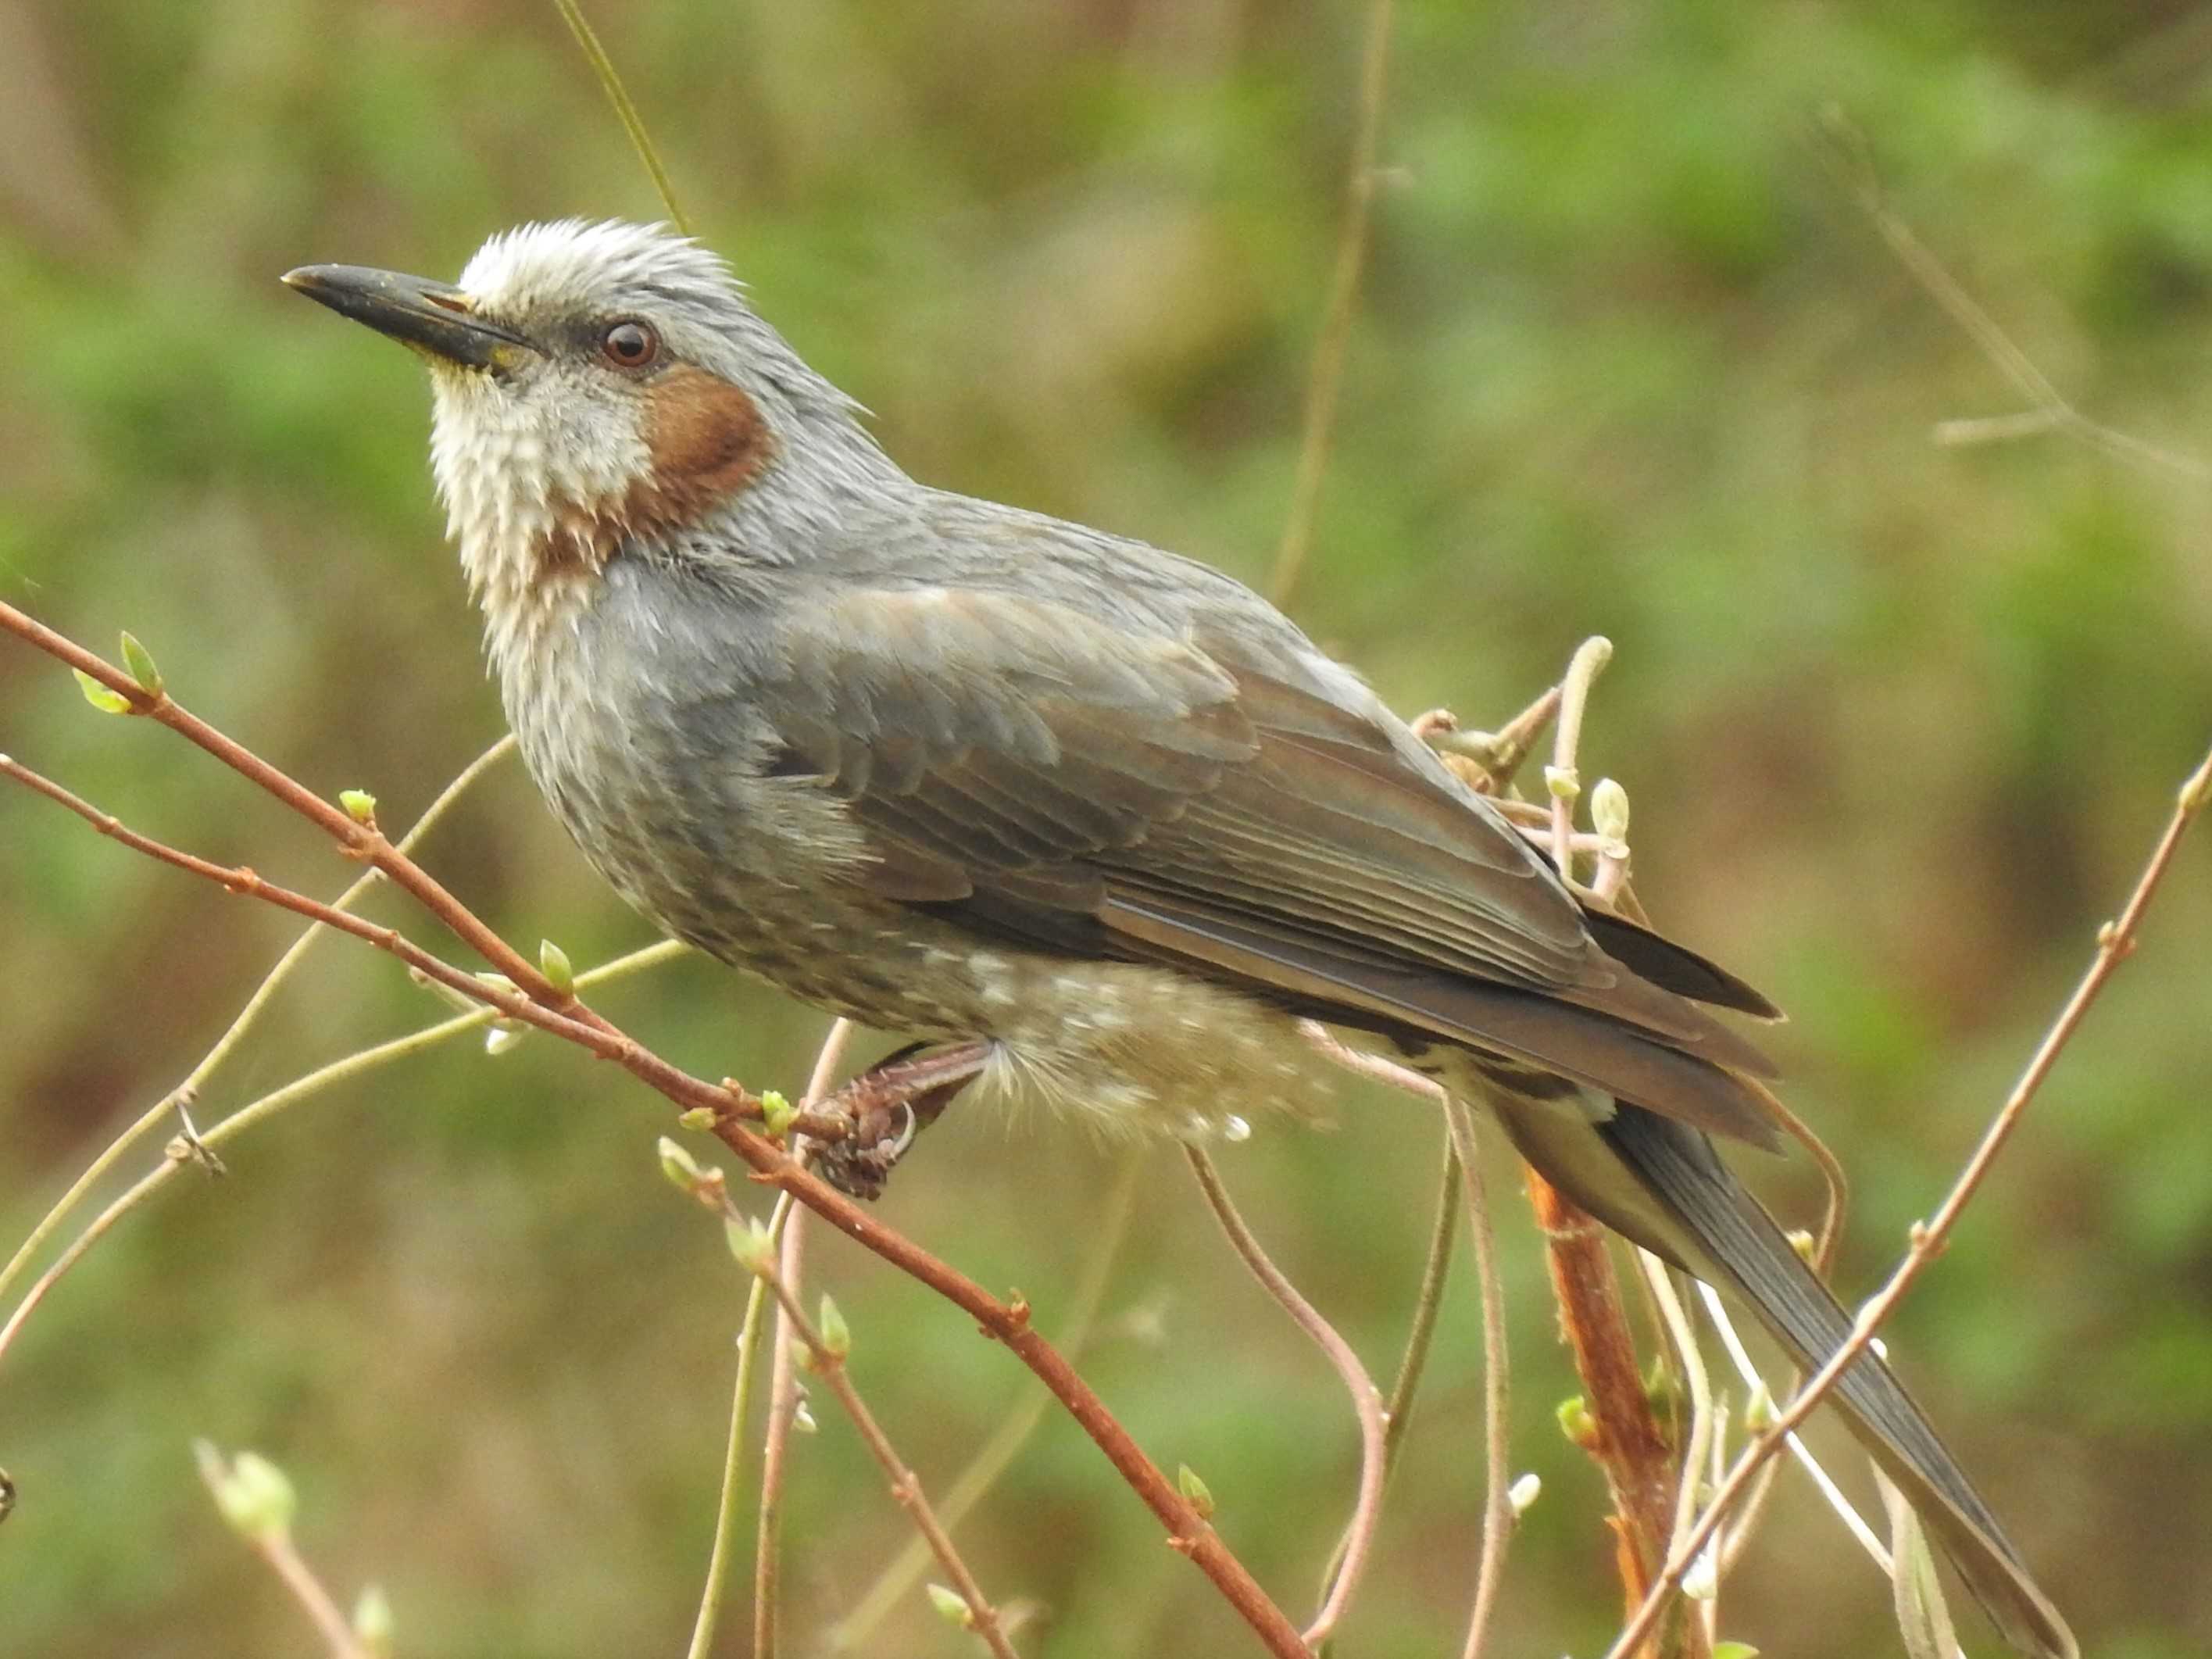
column 1736, row 1237
column 1662, row 1184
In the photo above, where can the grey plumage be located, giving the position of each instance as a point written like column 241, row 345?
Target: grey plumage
column 971, row 773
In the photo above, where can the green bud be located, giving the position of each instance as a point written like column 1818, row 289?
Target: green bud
column 1523, row 1493
column 951, row 1606
column 140, row 662
column 2197, row 790
column 698, row 1117
column 777, row 1115
column 359, row 807
column 1759, row 1410
column 253, row 1493
column 107, row 701
column 1735, row 1651
column 1802, row 1241
column 1577, row 1423
column 372, row 1621
column 752, row 1242
column 836, row 1334
column 682, row 1170
column 553, row 962
column 1608, row 810
column 1198, row 1495
column 1562, row 782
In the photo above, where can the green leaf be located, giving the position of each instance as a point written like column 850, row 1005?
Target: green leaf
column 140, row 661
column 107, row 701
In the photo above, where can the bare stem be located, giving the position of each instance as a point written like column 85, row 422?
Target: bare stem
column 189, row 1090
column 1498, row 1507
column 785, row 1395
column 830, row 1364
column 997, row 1454
column 625, row 111
column 1428, row 1303
column 2049, row 410
column 322, row 1078
column 1366, row 1403
column 1327, row 376
column 2115, row 943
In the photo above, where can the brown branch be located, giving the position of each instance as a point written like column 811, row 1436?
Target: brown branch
column 539, row 1004
column 1624, row 1438
column 2116, row 942
column 828, row 1362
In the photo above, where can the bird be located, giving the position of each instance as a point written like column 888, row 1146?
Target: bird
column 1092, row 824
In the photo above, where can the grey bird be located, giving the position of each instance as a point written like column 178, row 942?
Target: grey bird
column 1093, row 823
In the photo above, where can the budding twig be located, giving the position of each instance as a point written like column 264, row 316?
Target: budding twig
column 826, row 1358
column 998, row 1320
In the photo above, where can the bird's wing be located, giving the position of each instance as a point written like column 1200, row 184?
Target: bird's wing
column 1025, row 769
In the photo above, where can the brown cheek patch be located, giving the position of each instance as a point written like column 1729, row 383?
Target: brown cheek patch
column 707, row 441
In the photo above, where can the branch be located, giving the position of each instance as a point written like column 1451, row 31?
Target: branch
column 786, row 1399
column 2115, row 941
column 826, row 1356
column 1366, row 1403
column 851, row 1632
column 726, row 1106
column 186, row 1094
column 1498, row 1513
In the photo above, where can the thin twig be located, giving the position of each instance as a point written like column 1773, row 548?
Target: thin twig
column 997, row 1454
column 1704, row 1418
column 1627, row 1444
column 1562, row 779
column 1428, row 1304
column 271, row 1538
column 189, row 1090
column 2115, row 943
column 1497, row 1521
column 2050, row 409
column 785, row 1396
column 1366, row 1403
column 1740, row 1356
column 1327, row 376
column 829, row 1364
column 724, row 1548
column 323, row 1077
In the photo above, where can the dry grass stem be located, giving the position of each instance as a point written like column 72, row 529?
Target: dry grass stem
column 1366, row 1401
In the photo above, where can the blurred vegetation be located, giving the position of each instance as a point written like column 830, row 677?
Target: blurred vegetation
column 1900, row 721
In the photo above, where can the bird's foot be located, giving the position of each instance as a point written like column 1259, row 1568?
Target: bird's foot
column 887, row 1106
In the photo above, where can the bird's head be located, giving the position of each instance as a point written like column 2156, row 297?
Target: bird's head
column 601, row 389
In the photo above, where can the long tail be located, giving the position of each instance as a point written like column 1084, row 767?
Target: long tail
column 1661, row 1184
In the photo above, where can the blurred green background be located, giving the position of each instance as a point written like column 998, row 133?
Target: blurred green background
column 1900, row 721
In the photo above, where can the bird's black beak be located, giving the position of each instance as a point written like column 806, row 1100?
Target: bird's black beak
column 433, row 318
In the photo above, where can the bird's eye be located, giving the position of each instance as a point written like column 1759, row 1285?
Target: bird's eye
column 629, row 345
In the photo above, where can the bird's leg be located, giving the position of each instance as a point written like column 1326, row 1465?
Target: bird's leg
column 888, row 1105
